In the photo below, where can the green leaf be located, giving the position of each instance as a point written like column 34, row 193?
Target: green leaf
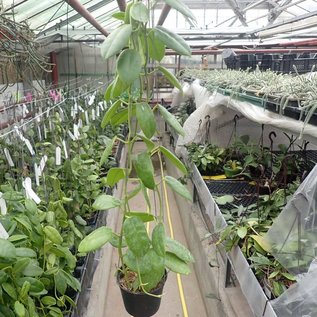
column 144, row 169
column 25, row 252
column 118, row 15
column 118, row 87
column 175, row 264
column 19, row 309
column 139, row 12
column 226, row 199
column 171, row 120
column 114, row 175
column 48, row 301
column 53, row 234
column 30, row 205
column 260, row 260
column 32, row 269
column 242, row 232
column 178, row 187
column 129, row 64
column 136, row 236
column 146, row 119
column 179, row 250
column 104, row 202
column 159, row 239
column 20, row 265
column 262, row 242
column 7, row 249
column 60, row 283
column 115, row 241
column 181, row 7
column 6, row 312
column 116, row 41
column 156, row 47
column 110, row 113
column 71, row 280
column 120, row 117
column 174, row 159
column 290, row 277
column 155, row 268
column 95, row 240
column 170, row 77
column 17, row 237
column 10, row 290
column 273, row 274
column 172, row 40
column 107, row 95
column 143, row 216
column 108, row 150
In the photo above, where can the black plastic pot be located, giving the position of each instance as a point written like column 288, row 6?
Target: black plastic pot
column 141, row 304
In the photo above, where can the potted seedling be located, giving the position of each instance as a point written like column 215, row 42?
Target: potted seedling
column 232, row 168
column 144, row 258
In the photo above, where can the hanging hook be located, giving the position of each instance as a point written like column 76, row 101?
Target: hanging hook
column 235, row 118
column 271, row 140
column 207, row 117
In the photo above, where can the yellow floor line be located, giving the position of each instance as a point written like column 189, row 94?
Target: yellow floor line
column 179, row 280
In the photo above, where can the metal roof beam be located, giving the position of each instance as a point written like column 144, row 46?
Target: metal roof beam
column 237, row 11
column 277, row 10
column 76, row 16
column 122, row 5
column 164, row 13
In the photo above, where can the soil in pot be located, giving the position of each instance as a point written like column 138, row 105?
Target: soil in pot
column 139, row 304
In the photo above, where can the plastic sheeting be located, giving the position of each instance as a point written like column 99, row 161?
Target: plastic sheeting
column 214, row 106
column 293, row 235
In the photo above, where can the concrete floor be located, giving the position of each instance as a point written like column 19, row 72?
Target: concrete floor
column 171, row 304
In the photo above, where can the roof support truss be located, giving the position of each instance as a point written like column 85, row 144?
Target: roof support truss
column 237, row 11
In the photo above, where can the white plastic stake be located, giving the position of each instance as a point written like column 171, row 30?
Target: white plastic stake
column 97, row 111
column 37, row 174
column 8, row 156
column 19, row 133
column 71, row 135
column 45, row 131
column 80, row 123
column 91, row 100
column 87, row 117
column 65, row 149
column 93, row 114
column 3, row 232
column 30, row 193
column 76, row 131
column 58, row 156
column 29, row 146
column 101, row 106
column 80, row 108
column 3, row 205
column 39, row 132
column 42, row 164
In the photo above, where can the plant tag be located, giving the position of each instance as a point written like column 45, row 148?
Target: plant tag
column 80, row 123
column 25, row 110
column 19, row 133
column 91, row 100
column 73, row 112
column 30, row 193
column 45, row 131
column 71, row 135
column 65, row 149
column 39, row 132
column 3, row 232
column 93, row 114
column 87, row 117
column 29, row 146
column 3, row 205
column 105, row 105
column 50, row 126
column 37, row 174
column 58, row 156
column 80, row 108
column 42, row 164
column 76, row 131
column 8, row 156
column 101, row 106
column 75, row 105
column 98, row 111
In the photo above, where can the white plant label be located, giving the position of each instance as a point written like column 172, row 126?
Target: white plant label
column 105, row 104
column 58, row 156
column 19, row 133
column 93, row 114
column 37, row 174
column 8, row 156
column 45, row 131
column 42, row 164
column 80, row 108
column 3, row 205
column 76, row 131
column 97, row 111
column 39, row 132
column 80, row 123
column 3, row 232
column 65, row 149
column 30, row 193
column 91, row 100
column 29, row 146
column 71, row 135
column 87, row 117
column 101, row 106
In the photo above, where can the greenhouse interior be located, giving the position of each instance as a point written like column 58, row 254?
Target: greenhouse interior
column 158, row 158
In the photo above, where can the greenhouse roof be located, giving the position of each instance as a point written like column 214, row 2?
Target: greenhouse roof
column 218, row 22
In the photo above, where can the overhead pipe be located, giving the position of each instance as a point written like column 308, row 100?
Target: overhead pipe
column 165, row 11
column 77, row 6
column 122, row 5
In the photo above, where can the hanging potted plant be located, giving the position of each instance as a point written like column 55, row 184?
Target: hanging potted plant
column 144, row 258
